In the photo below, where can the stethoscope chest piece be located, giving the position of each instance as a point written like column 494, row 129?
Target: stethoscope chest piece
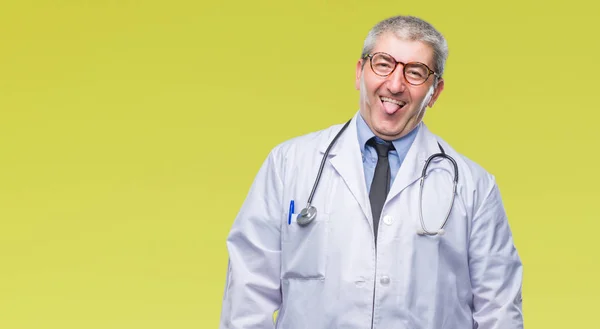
column 306, row 216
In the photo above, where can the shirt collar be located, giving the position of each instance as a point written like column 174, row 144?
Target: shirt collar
column 365, row 133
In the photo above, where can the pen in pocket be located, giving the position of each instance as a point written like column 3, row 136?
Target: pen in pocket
column 290, row 212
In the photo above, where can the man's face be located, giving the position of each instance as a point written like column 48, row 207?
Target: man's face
column 390, row 105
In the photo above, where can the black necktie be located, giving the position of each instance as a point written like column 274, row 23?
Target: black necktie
column 381, row 181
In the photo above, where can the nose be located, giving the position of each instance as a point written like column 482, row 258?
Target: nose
column 396, row 82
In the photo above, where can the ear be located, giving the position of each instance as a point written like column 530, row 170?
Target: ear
column 436, row 93
column 359, row 66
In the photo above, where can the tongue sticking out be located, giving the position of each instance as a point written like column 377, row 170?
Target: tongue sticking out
column 390, row 108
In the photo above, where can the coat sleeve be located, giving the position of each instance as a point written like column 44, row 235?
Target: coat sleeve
column 252, row 293
column 495, row 267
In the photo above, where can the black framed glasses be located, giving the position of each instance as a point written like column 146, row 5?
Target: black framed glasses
column 415, row 73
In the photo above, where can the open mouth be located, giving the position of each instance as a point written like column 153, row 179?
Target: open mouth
column 391, row 105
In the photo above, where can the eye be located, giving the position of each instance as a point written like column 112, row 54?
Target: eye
column 416, row 73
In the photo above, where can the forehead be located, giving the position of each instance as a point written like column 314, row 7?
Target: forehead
column 404, row 50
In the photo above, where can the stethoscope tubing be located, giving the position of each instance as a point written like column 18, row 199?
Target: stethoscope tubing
column 309, row 213
column 312, row 193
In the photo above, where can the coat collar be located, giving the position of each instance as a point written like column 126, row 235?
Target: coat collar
column 345, row 157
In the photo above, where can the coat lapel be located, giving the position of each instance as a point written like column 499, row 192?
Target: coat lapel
column 346, row 159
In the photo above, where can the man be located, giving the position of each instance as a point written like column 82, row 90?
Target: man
column 383, row 251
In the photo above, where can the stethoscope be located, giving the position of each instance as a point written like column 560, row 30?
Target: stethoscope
column 309, row 213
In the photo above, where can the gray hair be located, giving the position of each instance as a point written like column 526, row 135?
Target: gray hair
column 414, row 29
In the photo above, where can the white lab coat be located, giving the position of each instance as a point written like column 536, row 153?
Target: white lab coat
column 330, row 274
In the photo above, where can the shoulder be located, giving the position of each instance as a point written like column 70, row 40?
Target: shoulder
column 306, row 144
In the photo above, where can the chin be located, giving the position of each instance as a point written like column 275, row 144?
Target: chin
column 388, row 125
column 387, row 131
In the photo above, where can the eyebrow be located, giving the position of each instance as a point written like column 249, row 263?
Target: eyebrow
column 405, row 62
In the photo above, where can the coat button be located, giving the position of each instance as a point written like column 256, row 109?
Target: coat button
column 385, row 280
column 388, row 220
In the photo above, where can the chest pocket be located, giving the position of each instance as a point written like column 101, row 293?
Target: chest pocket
column 304, row 249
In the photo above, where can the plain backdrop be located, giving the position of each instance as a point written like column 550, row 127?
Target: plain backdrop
column 130, row 132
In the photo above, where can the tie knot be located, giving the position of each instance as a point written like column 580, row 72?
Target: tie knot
column 382, row 147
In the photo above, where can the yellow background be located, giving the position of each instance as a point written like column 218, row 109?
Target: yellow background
column 130, row 132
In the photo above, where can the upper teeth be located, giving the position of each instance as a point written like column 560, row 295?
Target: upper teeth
column 391, row 100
